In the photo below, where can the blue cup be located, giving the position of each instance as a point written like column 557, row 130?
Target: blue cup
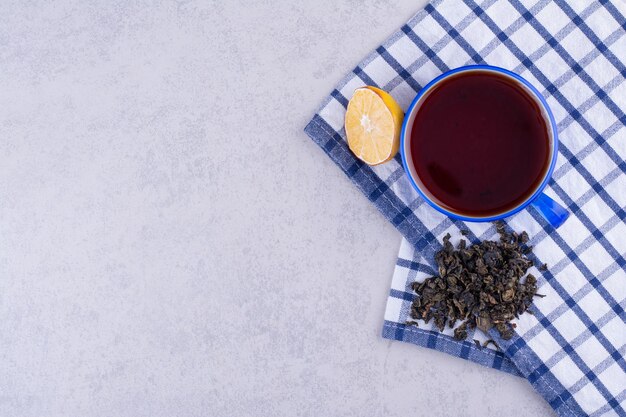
column 550, row 209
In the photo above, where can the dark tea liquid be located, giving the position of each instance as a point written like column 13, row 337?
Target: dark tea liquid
column 479, row 144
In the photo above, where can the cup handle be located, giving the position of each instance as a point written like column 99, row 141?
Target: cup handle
column 552, row 211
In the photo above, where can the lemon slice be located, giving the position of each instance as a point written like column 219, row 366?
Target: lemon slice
column 373, row 123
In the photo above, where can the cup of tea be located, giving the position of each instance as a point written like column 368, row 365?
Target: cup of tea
column 479, row 143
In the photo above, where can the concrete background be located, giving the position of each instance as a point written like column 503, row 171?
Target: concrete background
column 171, row 243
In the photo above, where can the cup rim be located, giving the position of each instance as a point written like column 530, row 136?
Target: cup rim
column 542, row 102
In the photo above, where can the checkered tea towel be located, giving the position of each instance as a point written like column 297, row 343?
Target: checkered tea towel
column 572, row 349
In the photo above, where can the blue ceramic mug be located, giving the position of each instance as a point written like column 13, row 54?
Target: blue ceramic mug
column 551, row 210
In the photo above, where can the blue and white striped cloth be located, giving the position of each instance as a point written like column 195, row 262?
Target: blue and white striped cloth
column 572, row 350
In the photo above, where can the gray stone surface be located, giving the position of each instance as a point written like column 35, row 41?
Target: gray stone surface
column 171, row 243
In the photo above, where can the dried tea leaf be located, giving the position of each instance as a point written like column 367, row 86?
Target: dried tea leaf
column 480, row 285
column 493, row 342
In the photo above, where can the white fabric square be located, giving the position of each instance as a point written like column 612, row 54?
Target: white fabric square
column 552, row 18
column 596, row 259
column 597, row 211
column 504, row 14
column 453, row 55
column 613, row 378
column 577, row 44
column 600, row 117
column 430, row 31
column 544, row 345
column 591, row 352
column 573, row 184
column 569, row 325
column 405, row 51
column 594, row 306
column 575, row 279
column 574, row 138
column 566, row 371
column 477, row 34
column 548, row 251
column 601, row 22
column 527, row 39
column 576, row 91
column 454, row 12
column 590, row 398
column 380, row 71
column 552, row 65
column 602, row 164
column 601, row 70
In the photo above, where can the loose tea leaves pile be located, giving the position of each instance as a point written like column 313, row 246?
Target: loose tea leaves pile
column 480, row 285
